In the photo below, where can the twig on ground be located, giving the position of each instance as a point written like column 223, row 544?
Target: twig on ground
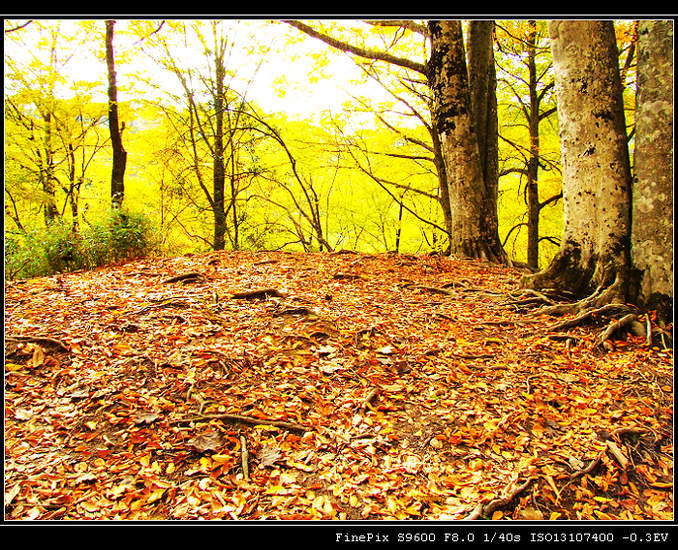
column 366, row 402
column 618, row 454
column 346, row 276
column 244, row 458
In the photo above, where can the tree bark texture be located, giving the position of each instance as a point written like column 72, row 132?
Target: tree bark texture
column 119, row 153
column 47, row 176
column 533, row 207
column 594, row 255
column 474, row 223
column 218, row 166
column 483, row 88
column 652, row 226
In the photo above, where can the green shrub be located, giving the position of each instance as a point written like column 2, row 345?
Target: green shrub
column 120, row 236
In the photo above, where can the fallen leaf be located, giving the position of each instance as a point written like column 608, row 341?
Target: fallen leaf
column 209, row 441
column 144, row 417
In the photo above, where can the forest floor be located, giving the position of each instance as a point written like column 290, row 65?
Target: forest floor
column 359, row 387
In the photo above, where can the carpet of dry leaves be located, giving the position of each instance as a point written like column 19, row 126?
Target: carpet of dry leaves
column 356, row 387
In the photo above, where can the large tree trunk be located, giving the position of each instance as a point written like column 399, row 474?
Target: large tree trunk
column 473, row 225
column 483, row 89
column 593, row 259
column 119, row 153
column 652, row 228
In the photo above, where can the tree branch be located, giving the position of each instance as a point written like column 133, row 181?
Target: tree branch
column 355, row 50
column 403, row 23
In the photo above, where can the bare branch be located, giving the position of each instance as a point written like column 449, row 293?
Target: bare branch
column 403, row 23
column 355, row 50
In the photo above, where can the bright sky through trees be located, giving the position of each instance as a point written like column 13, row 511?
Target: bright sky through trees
column 286, row 63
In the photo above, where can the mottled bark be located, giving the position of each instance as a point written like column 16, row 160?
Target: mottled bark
column 652, row 227
column 593, row 259
column 473, row 224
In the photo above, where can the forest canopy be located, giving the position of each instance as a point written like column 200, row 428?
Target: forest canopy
column 309, row 269
column 132, row 137
column 356, row 131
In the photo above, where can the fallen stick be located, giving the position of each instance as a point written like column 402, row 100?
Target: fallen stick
column 592, row 465
column 244, row 458
column 617, row 452
column 245, row 420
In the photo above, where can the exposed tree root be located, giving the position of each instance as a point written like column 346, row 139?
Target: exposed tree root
column 622, row 323
column 609, row 309
column 486, row 509
column 236, row 418
column 628, row 321
column 185, row 278
column 433, row 289
column 261, row 294
column 37, row 339
column 529, row 297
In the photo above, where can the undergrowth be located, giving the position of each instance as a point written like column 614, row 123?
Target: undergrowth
column 120, row 236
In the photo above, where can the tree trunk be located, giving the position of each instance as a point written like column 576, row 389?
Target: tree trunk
column 483, row 89
column 652, row 227
column 47, row 172
column 473, row 218
column 533, row 207
column 119, row 153
column 219, row 170
column 593, row 259
column 443, row 184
